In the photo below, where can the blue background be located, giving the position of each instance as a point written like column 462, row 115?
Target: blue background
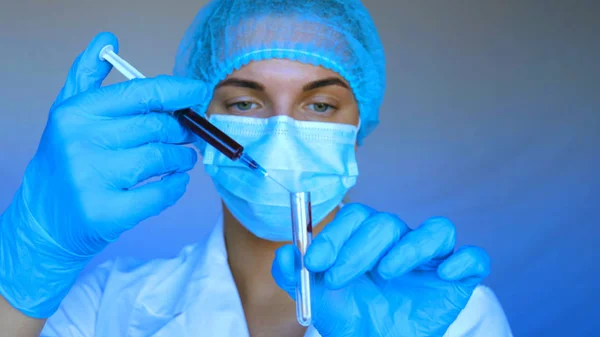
column 491, row 118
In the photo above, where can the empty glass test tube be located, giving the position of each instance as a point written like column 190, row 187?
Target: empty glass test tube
column 302, row 236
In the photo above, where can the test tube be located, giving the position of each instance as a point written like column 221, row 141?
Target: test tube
column 302, row 236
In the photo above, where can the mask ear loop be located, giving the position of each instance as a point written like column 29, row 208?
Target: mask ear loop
column 343, row 203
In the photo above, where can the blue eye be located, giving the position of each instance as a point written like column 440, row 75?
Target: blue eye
column 321, row 107
column 244, row 105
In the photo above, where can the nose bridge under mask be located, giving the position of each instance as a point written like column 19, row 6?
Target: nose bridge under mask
column 285, row 146
column 281, row 145
column 279, row 150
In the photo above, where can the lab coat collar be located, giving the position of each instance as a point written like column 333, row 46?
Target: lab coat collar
column 209, row 305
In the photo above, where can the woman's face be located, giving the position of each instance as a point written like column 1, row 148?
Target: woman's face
column 282, row 87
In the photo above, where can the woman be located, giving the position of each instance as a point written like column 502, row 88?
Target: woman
column 300, row 85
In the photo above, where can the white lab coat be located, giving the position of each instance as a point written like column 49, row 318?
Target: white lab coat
column 194, row 295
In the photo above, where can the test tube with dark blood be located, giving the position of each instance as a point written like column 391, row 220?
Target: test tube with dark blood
column 302, row 237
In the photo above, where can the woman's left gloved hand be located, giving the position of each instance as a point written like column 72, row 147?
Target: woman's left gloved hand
column 377, row 277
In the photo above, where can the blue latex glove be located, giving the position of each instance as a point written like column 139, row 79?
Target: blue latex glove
column 78, row 193
column 377, row 277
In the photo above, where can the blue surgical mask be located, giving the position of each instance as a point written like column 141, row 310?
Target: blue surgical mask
column 303, row 156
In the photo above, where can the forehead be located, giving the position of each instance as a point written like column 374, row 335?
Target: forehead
column 283, row 69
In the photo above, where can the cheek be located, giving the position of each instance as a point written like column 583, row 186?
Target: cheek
column 355, row 114
column 212, row 109
column 348, row 114
column 209, row 110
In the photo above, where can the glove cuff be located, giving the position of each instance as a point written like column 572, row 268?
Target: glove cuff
column 35, row 272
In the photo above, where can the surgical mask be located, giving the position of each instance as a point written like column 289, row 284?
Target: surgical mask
column 303, row 156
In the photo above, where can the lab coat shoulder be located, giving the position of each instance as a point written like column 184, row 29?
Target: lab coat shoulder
column 483, row 316
column 120, row 288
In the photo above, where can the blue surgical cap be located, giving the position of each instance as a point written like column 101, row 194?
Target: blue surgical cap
column 336, row 34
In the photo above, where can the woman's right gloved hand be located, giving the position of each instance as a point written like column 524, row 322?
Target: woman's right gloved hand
column 79, row 191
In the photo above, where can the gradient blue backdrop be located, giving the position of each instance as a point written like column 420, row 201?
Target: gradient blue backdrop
column 491, row 118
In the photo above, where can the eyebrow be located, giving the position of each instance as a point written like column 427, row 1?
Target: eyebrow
column 324, row 83
column 236, row 82
column 241, row 83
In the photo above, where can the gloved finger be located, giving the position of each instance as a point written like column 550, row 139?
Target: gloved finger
column 283, row 271
column 127, row 168
column 162, row 93
column 434, row 239
column 88, row 71
column 137, row 130
column 467, row 263
column 148, row 200
column 323, row 251
column 365, row 248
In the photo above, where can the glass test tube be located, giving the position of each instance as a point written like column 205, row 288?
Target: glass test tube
column 302, row 235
